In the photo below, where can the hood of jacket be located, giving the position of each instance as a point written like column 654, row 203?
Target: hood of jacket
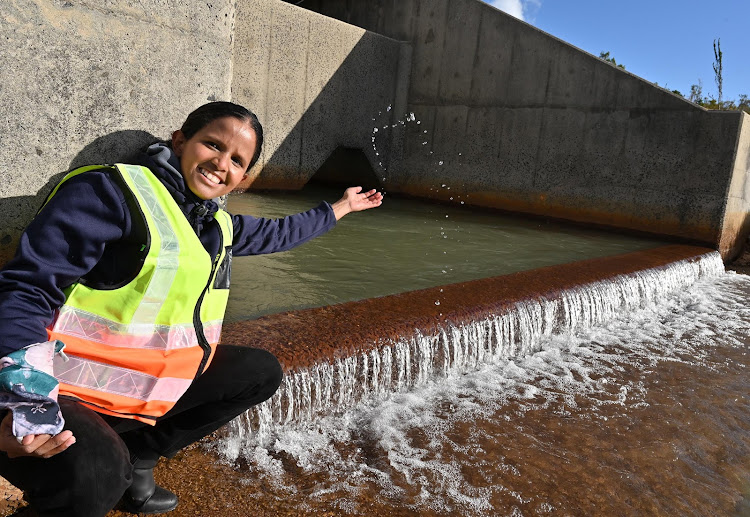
column 165, row 165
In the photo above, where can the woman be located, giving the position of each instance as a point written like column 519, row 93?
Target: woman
column 128, row 265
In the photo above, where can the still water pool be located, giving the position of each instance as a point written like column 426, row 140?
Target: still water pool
column 401, row 246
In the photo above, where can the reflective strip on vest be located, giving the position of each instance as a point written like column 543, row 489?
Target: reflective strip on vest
column 75, row 322
column 167, row 260
column 119, row 381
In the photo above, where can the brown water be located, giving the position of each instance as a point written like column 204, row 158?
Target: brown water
column 645, row 415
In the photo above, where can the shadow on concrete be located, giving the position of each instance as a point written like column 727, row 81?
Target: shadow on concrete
column 118, row 146
column 347, row 167
column 339, row 122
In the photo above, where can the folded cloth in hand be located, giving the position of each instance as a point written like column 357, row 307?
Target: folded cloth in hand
column 29, row 390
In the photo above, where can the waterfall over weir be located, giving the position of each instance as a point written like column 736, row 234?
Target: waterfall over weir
column 458, row 340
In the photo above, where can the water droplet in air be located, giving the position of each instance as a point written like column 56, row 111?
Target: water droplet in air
column 440, row 163
column 437, row 302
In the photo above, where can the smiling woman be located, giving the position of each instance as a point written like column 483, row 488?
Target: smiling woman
column 128, row 268
column 216, row 157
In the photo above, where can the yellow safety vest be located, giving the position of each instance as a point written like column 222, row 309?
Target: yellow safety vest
column 135, row 349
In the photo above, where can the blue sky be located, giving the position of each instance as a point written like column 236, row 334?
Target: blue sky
column 663, row 41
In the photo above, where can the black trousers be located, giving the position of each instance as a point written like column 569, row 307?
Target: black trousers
column 90, row 477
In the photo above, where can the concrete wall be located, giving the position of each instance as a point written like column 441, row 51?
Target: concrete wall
column 316, row 84
column 91, row 80
column 736, row 224
column 516, row 119
column 505, row 115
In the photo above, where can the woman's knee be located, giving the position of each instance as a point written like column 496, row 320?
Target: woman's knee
column 272, row 373
column 260, row 370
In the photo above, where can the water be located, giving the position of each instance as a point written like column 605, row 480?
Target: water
column 403, row 245
column 629, row 408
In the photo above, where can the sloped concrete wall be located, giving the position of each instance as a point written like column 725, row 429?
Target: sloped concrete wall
column 88, row 81
column 516, row 119
column 736, row 223
column 316, row 84
column 506, row 115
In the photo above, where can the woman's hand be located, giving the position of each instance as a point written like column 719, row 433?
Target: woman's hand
column 37, row 446
column 354, row 200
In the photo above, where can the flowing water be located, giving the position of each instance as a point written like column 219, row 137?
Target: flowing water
column 627, row 397
column 643, row 412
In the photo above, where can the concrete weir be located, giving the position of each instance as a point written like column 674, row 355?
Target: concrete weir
column 334, row 356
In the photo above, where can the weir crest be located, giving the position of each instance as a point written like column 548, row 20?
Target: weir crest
column 513, row 332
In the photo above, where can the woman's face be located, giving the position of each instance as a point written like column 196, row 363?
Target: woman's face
column 215, row 159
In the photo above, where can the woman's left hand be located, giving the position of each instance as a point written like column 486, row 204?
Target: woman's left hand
column 354, row 200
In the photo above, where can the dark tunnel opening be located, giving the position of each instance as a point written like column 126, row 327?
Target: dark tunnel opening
column 347, row 167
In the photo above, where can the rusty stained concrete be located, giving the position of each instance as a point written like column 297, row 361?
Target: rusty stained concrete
column 301, row 339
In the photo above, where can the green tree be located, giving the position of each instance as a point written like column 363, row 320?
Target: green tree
column 696, row 93
column 606, row 57
column 743, row 103
column 709, row 102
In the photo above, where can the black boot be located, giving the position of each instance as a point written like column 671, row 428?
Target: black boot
column 144, row 495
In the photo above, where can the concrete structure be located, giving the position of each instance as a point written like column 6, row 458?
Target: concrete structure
column 315, row 82
column 89, row 81
column 519, row 120
column 509, row 117
column 504, row 114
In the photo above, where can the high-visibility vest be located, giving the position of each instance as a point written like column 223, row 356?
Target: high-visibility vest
column 134, row 349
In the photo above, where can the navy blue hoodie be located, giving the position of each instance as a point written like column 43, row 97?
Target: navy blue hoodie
column 86, row 230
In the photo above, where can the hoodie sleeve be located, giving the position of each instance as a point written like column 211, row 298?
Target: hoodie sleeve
column 62, row 243
column 258, row 236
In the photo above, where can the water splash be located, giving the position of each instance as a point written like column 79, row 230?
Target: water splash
column 408, row 117
column 453, row 350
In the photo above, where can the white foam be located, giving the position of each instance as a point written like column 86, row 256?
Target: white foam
column 430, row 384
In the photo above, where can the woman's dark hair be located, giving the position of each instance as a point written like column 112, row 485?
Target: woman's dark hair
column 207, row 113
